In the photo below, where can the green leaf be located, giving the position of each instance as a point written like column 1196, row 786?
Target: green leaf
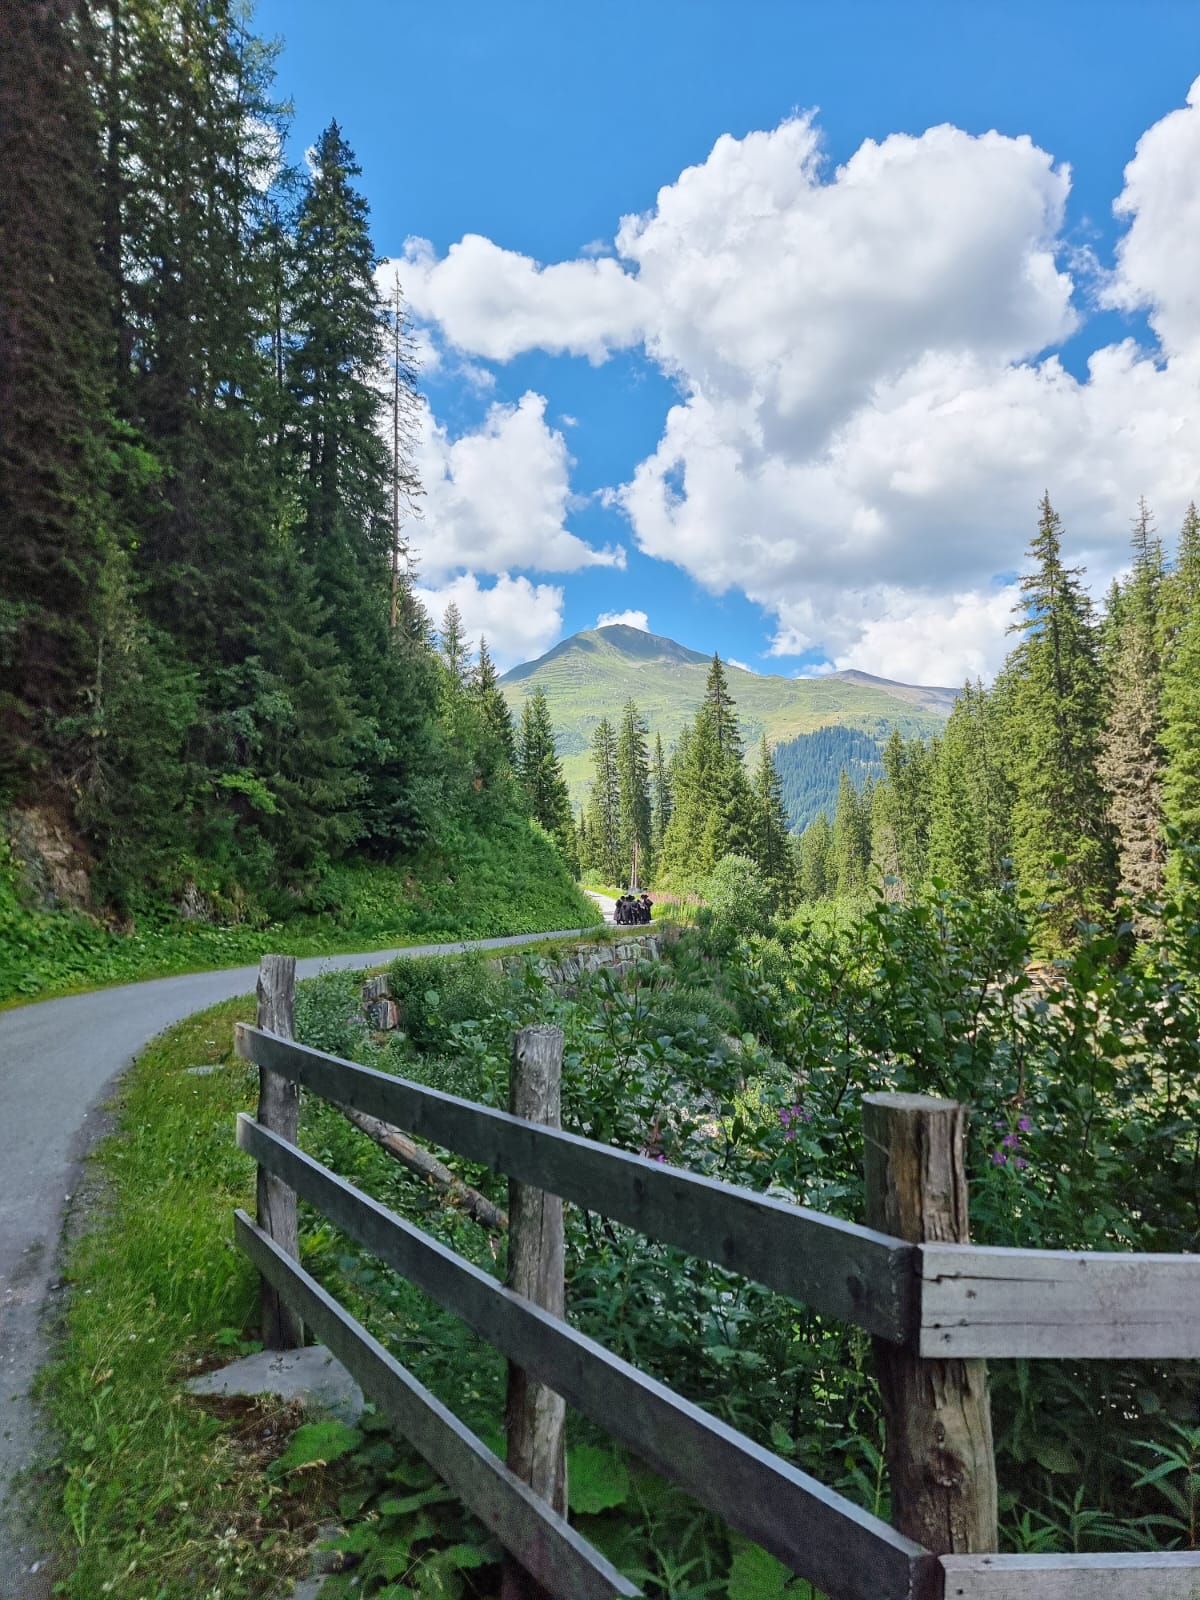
column 1056, row 1458
column 755, row 1575
column 315, row 1442
column 597, row 1479
column 437, row 1495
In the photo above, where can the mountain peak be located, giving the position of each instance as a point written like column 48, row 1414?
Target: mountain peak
column 613, row 640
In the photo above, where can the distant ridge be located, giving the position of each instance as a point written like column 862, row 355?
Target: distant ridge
column 592, row 674
column 915, row 694
column 619, row 636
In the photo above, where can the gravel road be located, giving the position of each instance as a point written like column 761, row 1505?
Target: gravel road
column 59, row 1060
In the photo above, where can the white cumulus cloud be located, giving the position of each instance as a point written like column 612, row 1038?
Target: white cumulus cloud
column 496, row 303
column 870, row 403
column 519, row 618
column 627, row 619
column 498, row 498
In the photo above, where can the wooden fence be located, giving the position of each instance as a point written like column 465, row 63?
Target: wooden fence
column 936, row 1306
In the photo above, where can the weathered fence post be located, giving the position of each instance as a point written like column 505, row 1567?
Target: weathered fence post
column 937, row 1414
column 534, row 1415
column 278, row 1110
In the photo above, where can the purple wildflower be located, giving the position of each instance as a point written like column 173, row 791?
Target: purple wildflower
column 1024, row 1124
column 1011, row 1141
column 1020, row 1163
column 999, row 1159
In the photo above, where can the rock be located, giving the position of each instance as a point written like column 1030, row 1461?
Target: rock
column 314, row 1376
column 375, row 988
column 383, row 1015
column 205, row 1071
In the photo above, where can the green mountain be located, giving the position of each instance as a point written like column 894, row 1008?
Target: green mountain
column 594, row 673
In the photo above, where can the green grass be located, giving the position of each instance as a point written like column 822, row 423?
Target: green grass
column 158, row 1496
column 505, row 881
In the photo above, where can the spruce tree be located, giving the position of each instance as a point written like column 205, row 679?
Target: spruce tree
column 661, row 800
column 604, row 805
column 815, row 863
column 1180, row 646
column 539, row 772
column 493, row 707
column 633, row 771
column 1131, row 756
column 772, row 841
column 851, row 853
column 969, row 815
column 453, row 644
column 55, row 369
column 1062, row 846
column 336, row 370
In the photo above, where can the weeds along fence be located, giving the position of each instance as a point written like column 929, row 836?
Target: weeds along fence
column 937, row 1307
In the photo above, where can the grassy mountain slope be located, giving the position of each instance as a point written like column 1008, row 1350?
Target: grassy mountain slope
column 592, row 674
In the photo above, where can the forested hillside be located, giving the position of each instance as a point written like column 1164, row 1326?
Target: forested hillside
column 216, row 682
column 1076, row 774
column 593, row 674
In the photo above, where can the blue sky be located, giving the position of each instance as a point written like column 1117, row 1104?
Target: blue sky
column 877, row 353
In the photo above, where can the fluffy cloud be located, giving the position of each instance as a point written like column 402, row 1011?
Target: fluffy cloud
column 496, row 303
column 520, row 619
column 497, row 499
column 870, row 406
column 628, row 619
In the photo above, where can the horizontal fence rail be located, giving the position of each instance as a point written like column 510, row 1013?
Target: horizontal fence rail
column 976, row 1301
column 544, row 1543
column 842, row 1270
column 818, row 1533
column 937, row 1302
column 1171, row 1575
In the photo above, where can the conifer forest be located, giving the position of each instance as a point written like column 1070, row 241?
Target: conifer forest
column 229, row 725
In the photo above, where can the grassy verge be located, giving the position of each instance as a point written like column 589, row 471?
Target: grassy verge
column 157, row 1495
column 507, row 881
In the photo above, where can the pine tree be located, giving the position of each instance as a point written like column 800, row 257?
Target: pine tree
column 539, row 772
column 493, row 707
column 815, row 864
column 969, row 803
column 773, row 844
column 55, row 369
column 851, row 852
column 1131, row 756
column 633, row 772
column 604, row 805
column 1180, row 646
column 1062, row 847
column 336, row 371
column 661, row 801
column 454, row 645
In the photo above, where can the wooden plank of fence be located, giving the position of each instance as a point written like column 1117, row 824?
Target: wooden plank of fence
column 842, row 1549
column 542, row 1541
column 937, row 1415
column 1169, row 1575
column 534, row 1416
column 977, row 1302
column 279, row 1110
column 838, row 1268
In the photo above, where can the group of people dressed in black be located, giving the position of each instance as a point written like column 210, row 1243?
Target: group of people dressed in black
column 632, row 909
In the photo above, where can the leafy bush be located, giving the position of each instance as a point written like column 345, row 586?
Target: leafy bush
column 738, row 897
column 435, row 994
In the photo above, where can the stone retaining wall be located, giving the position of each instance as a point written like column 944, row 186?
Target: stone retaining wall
column 577, row 962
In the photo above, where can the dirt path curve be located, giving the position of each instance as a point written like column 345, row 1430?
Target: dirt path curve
column 59, row 1061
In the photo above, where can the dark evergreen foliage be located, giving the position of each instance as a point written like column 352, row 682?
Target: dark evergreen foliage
column 810, row 768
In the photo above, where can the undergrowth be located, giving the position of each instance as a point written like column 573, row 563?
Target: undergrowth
column 480, row 885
